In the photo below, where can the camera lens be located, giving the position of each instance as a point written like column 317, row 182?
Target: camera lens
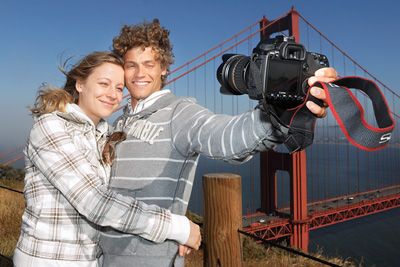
column 232, row 74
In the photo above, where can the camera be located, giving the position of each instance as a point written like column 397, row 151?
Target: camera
column 277, row 71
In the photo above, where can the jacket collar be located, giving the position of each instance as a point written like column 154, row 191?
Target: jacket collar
column 161, row 102
column 75, row 114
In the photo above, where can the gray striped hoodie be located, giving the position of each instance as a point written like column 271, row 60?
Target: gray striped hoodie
column 156, row 164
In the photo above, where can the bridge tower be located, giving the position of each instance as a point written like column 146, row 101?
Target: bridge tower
column 294, row 164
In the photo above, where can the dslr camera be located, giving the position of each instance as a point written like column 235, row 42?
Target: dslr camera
column 277, row 71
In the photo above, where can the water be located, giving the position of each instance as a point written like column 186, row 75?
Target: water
column 373, row 240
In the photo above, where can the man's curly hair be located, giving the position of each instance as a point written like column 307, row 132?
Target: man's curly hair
column 146, row 35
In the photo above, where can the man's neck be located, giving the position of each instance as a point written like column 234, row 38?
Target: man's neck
column 140, row 104
column 134, row 102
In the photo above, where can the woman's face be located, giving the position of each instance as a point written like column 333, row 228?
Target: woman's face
column 101, row 93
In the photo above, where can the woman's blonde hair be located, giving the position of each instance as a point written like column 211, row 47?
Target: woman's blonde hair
column 51, row 98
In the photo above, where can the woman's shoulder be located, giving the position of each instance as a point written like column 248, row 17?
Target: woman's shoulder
column 51, row 123
column 47, row 124
column 48, row 118
column 69, row 117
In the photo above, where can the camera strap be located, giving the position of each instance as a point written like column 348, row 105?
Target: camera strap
column 348, row 112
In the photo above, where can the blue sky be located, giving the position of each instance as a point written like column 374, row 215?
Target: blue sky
column 34, row 34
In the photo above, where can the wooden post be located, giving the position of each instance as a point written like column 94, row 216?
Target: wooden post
column 222, row 197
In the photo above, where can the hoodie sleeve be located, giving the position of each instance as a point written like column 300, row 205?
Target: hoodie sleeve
column 233, row 139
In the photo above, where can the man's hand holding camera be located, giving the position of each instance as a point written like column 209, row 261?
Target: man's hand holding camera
column 323, row 75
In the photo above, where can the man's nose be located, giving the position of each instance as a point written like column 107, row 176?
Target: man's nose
column 140, row 71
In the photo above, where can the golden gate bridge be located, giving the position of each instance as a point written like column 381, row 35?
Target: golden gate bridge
column 290, row 194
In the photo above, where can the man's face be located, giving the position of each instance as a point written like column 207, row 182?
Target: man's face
column 142, row 73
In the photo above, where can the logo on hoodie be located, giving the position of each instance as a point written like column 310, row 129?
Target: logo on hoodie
column 145, row 130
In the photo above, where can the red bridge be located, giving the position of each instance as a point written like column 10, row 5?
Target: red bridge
column 279, row 224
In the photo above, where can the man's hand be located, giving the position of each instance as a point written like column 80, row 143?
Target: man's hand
column 194, row 240
column 323, row 75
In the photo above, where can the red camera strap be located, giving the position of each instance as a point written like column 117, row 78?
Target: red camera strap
column 348, row 112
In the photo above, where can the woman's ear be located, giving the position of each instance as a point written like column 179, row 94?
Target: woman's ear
column 78, row 86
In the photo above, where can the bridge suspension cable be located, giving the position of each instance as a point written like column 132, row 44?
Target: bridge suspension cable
column 9, row 153
column 15, row 150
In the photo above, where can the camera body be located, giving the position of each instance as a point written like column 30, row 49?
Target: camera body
column 277, row 71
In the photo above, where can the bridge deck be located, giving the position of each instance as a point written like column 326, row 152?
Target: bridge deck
column 325, row 212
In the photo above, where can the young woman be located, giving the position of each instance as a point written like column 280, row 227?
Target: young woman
column 67, row 200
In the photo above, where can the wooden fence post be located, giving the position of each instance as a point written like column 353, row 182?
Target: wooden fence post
column 222, row 197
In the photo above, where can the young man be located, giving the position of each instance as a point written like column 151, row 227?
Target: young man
column 165, row 137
